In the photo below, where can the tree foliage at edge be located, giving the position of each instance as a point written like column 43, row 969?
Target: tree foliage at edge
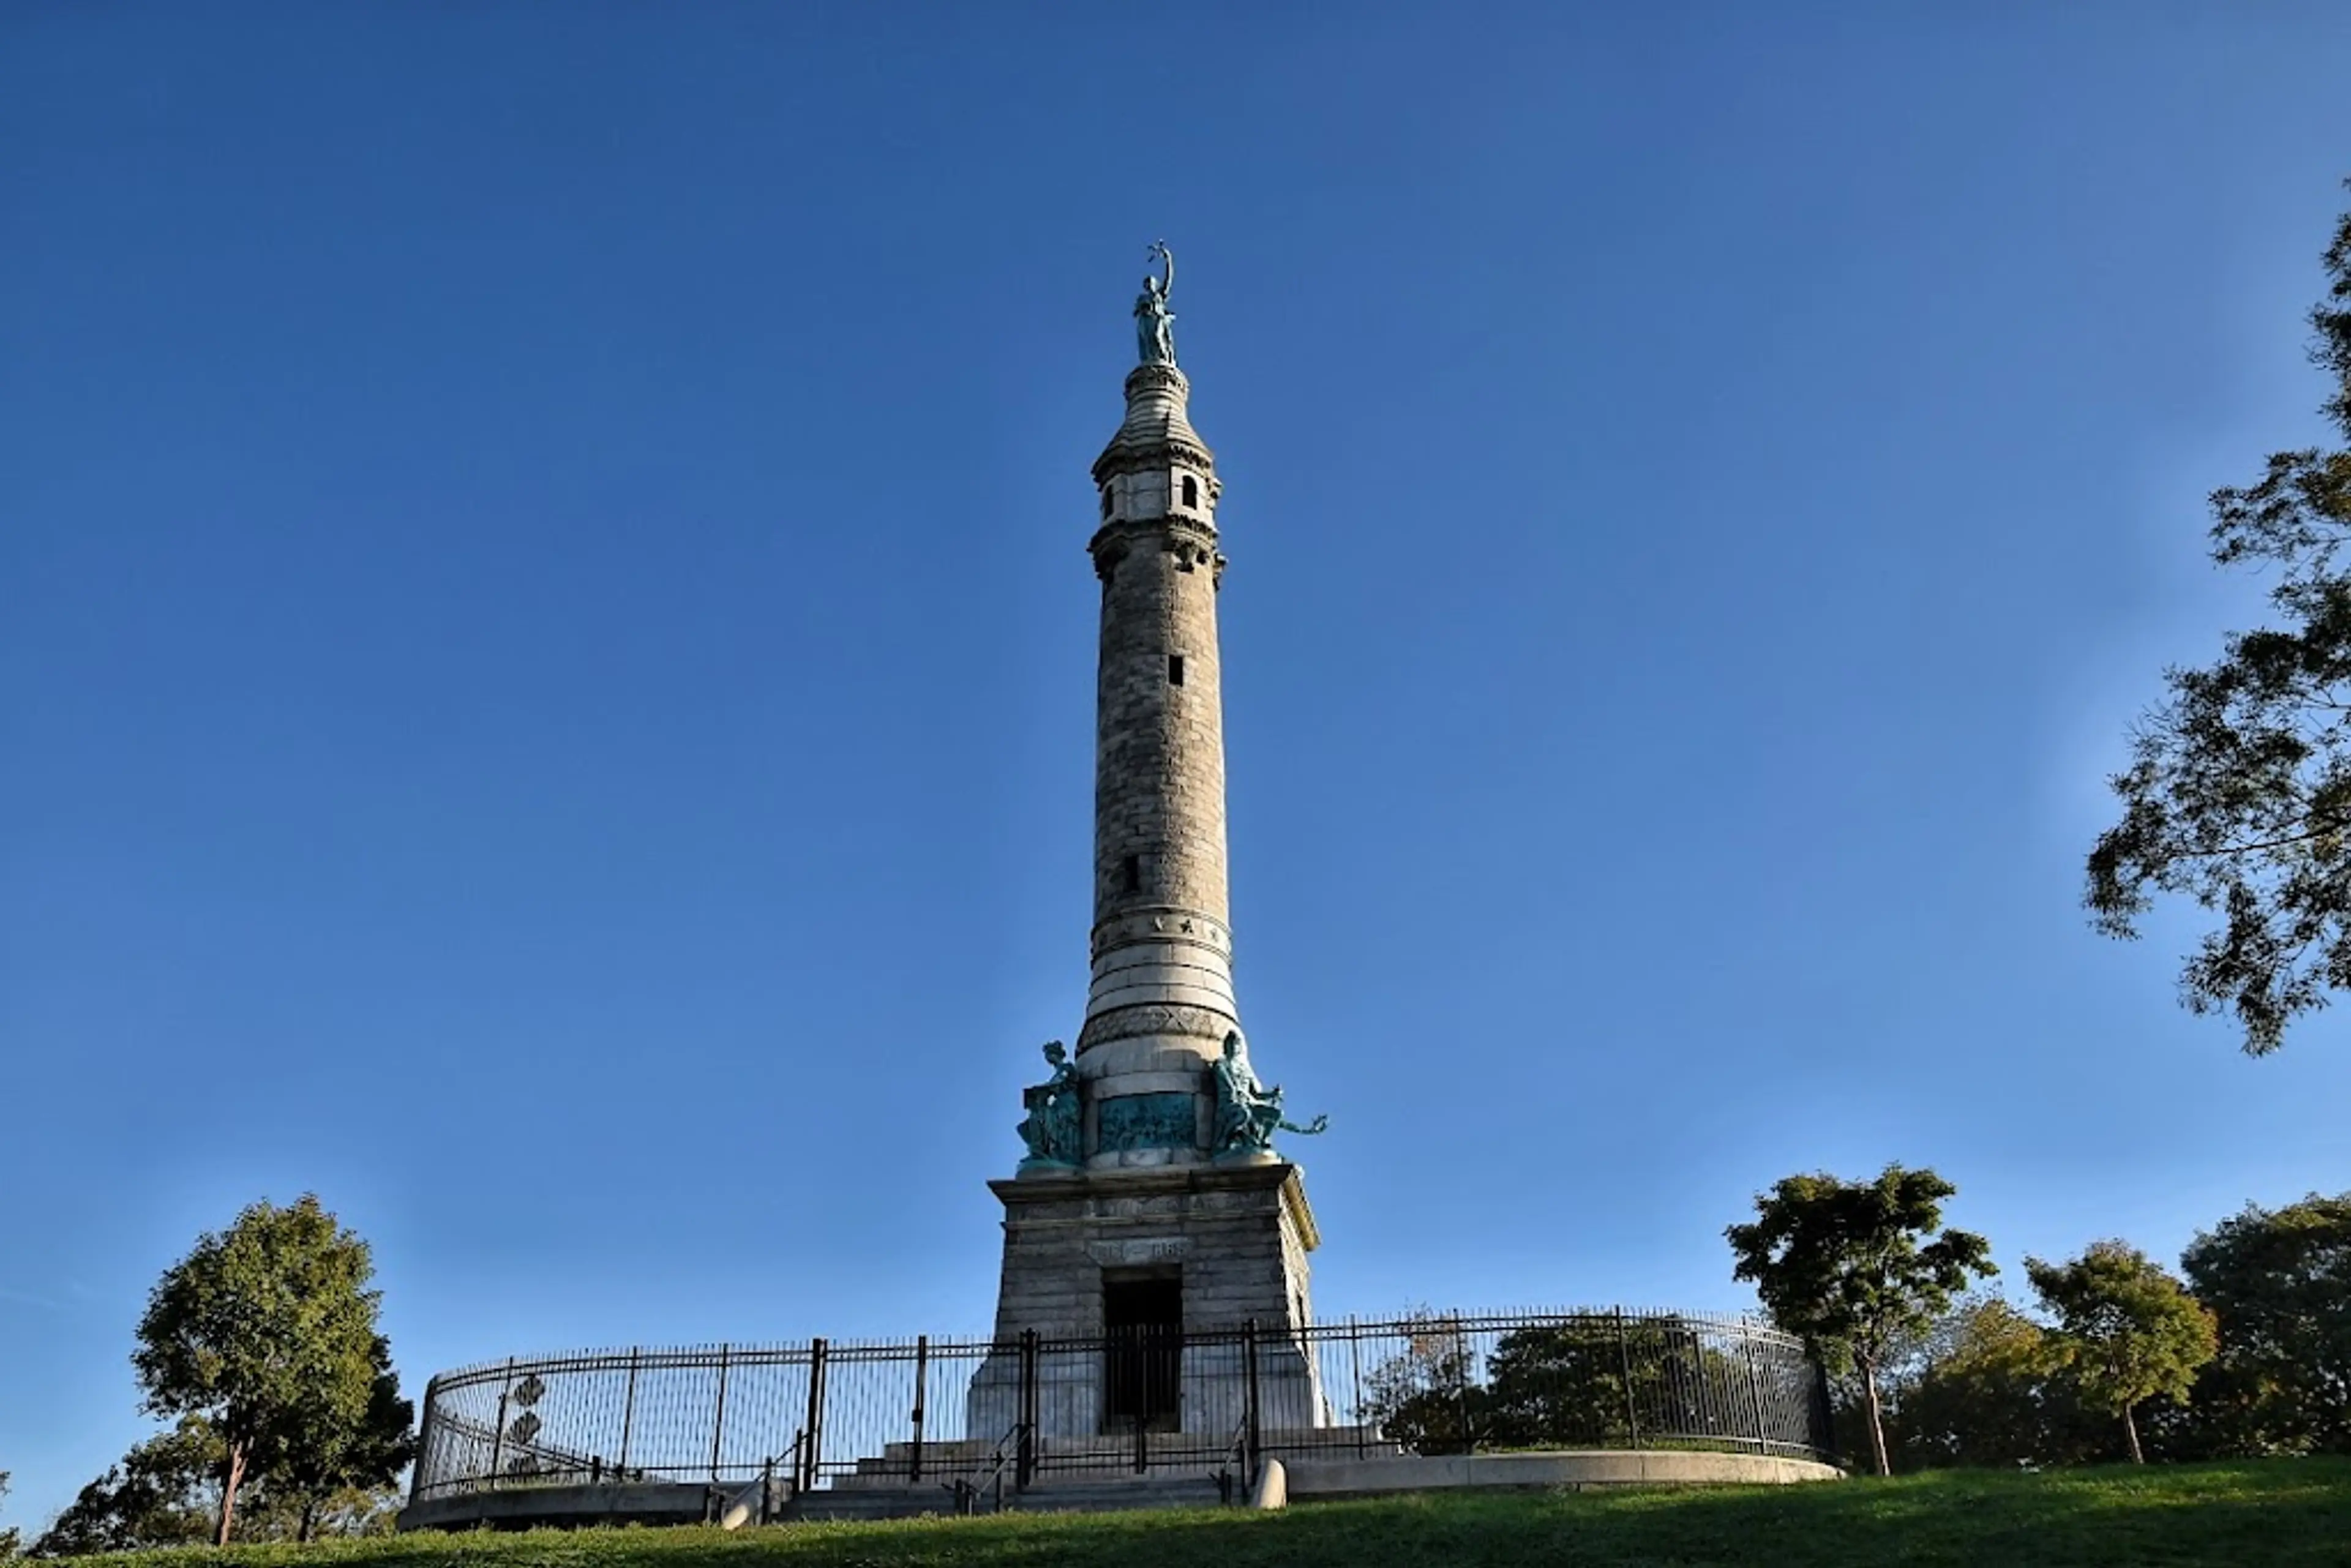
column 2238, row 796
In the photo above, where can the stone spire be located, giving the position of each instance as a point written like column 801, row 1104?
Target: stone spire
column 1161, row 1003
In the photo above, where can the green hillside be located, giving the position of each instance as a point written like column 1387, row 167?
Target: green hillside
column 2278, row 1513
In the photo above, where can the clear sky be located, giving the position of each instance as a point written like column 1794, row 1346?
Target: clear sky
column 546, row 648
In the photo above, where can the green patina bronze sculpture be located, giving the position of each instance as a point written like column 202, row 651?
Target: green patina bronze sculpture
column 1249, row 1113
column 1154, row 324
column 1051, row 1128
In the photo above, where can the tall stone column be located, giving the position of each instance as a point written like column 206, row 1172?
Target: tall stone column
column 1161, row 1001
column 1144, row 1227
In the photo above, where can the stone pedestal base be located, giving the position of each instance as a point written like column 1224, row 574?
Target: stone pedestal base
column 1229, row 1242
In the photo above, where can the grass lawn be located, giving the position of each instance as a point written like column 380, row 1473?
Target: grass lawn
column 2273, row 1513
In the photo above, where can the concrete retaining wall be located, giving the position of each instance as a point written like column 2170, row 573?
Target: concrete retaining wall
column 520, row 1507
column 1313, row 1480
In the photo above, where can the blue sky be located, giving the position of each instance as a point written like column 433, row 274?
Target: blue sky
column 545, row 641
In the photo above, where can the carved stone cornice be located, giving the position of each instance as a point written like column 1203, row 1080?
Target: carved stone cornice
column 1144, row 456
column 1155, row 1018
column 1158, row 923
column 1157, row 378
column 1192, row 542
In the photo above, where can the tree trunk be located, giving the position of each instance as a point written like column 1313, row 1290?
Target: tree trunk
column 1877, row 1418
column 308, row 1526
column 231, row 1479
column 2130, row 1430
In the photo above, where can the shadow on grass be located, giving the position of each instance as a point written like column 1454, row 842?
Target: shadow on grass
column 2291, row 1513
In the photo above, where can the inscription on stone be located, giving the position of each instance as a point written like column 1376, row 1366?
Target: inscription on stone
column 1132, row 1251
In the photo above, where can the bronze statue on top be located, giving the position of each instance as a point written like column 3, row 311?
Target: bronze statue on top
column 1154, row 324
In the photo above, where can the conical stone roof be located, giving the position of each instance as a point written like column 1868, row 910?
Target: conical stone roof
column 1156, row 427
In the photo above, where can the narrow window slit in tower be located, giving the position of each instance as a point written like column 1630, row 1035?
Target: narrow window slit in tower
column 1130, row 874
column 1175, row 669
column 1105, row 500
column 1191, row 491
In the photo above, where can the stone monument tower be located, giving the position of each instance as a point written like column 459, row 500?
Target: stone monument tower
column 1152, row 1209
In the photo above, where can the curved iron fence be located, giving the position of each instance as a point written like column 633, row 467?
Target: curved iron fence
column 956, row 1411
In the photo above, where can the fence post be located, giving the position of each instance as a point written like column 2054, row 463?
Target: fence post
column 423, row 1444
column 718, row 1421
column 921, row 1369
column 1025, row 1468
column 768, row 1489
column 1355, row 1363
column 1624, row 1352
column 1461, row 1385
column 499, row 1433
column 815, row 1429
column 1248, row 1364
column 628, row 1415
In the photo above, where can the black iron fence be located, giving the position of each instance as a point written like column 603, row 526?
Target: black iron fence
column 966, row 1414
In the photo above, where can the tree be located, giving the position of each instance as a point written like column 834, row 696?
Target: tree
column 1982, row 1395
column 2239, row 791
column 1563, row 1385
column 1841, row 1264
column 1427, row 1397
column 1575, row 1383
column 2126, row 1327
column 338, row 1467
column 1990, row 1387
column 2280, row 1282
column 166, row 1492
column 9, row 1538
column 268, row 1331
column 163, row 1492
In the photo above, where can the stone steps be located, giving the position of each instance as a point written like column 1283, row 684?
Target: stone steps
column 1112, row 1455
column 1111, row 1460
column 1111, row 1496
column 1075, row 1494
column 1076, row 1474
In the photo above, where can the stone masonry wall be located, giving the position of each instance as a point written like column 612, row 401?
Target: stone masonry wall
column 1238, row 1238
column 1159, row 759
